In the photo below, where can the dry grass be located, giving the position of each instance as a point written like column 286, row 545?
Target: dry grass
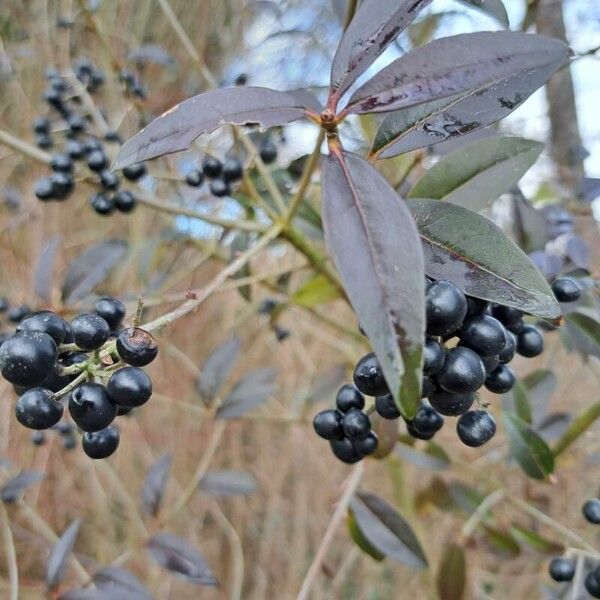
column 272, row 535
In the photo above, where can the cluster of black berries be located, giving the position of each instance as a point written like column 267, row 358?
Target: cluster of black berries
column 67, row 118
column 46, row 354
column 469, row 344
column 132, row 84
column 563, row 569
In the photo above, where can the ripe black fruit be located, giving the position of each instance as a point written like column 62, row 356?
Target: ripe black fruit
column 37, row 409
column 212, row 167
column 483, row 334
column 463, row 371
column 451, row 405
column 41, row 125
column 508, row 352
column 102, row 204
column 27, row 357
column 566, row 289
column 136, row 347
column 61, row 162
column 328, row 425
column 101, row 444
column 124, row 201
column 475, row 428
column 345, row 451
column 74, row 149
column 48, row 322
column 416, row 433
column 18, row 313
column 349, row 398
column 38, row 438
column 501, row 380
column 96, row 160
column 427, row 386
column 130, row 386
column 386, row 407
column 91, row 407
column 219, row 188
column 109, row 180
column 76, row 123
column 530, row 341
column 90, row 331
column 368, row 445
column 475, row 306
column 427, row 420
column 44, row 141
column 445, row 306
column 268, row 152
column 62, row 184
column 592, row 583
column 490, row 363
column 591, row 511
column 356, row 425
column 561, row 569
column 194, row 178
column 111, row 310
column 232, row 170
column 368, row 376
column 433, row 356
column 507, row 315
column 134, row 172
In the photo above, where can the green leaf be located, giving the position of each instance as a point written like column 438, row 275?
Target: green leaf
column 517, row 402
column 315, row 291
column 502, row 543
column 360, row 540
column 528, row 448
column 578, row 426
column 452, row 573
column 477, row 174
column 534, row 540
column 472, row 252
column 387, row 531
column 493, row 8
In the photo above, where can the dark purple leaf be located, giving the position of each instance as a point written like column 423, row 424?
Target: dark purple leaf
column 228, row 483
column 452, row 573
column 375, row 247
column 386, row 530
column 459, row 66
column 248, row 393
column 178, row 127
column 178, row 556
column 151, row 53
column 155, row 484
column 59, row 556
column 91, row 268
column 17, row 485
column 493, row 8
column 217, row 367
column 44, row 271
column 118, row 581
column 306, row 98
column 376, row 24
column 472, row 252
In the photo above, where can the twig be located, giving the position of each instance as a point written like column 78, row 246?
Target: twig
column 23, row 147
column 11, row 555
column 479, row 514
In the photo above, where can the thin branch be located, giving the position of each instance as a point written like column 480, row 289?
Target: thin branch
column 23, row 147
column 11, row 555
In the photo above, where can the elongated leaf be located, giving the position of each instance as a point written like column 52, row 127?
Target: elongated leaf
column 44, row 271
column 493, row 8
column 374, row 244
column 540, row 385
column 387, row 531
column 452, row 573
column 553, row 425
column 460, row 64
column 178, row 127
column 360, row 540
column 517, row 402
column 228, row 483
column 59, row 557
column 317, row 290
column 115, row 580
column 155, row 484
column 374, row 27
column 251, row 391
column 91, row 268
column 217, row 367
column 17, row 485
column 583, row 329
column 178, row 556
column 479, row 173
column 501, row 542
column 534, row 540
column 528, row 448
column 476, row 255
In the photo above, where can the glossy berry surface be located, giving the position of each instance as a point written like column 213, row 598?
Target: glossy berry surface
column 591, row 511
column 268, row 152
column 232, row 170
column 328, row 425
column 386, row 407
column 451, row 405
column 130, row 386
column 44, row 189
column 18, row 313
column 134, row 172
column 96, row 160
column 445, row 308
column 219, row 188
column 27, row 357
column 483, row 334
column 530, row 341
column 212, row 167
column 507, row 315
column 60, row 161
column 367, row 445
column 194, row 178
column 463, row 371
column 419, row 435
column 37, row 409
column 508, row 352
column 101, row 444
column 433, row 356
column 124, row 201
column 475, row 428
column 136, row 347
column 102, row 203
column 109, row 180
column 91, row 407
column 592, row 583
column 566, row 289
column 111, row 310
column 90, row 331
column 48, row 322
column 345, row 451
column 349, row 398
column 561, row 569
column 368, row 376
column 356, row 425
column 427, row 420
column 62, row 184
column 501, row 380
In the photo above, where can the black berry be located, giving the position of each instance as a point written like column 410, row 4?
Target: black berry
column 508, row 352
column 232, row 170
column 62, row 184
column 591, row 511
column 268, row 152
column 136, row 347
column 48, row 322
column 130, row 386
column 111, row 310
column 433, row 356
column 368, row 376
column 501, row 380
column 61, row 162
column 17, row 313
column 592, row 583
column 124, row 201
column 37, row 409
column 27, row 357
column 345, row 451
column 475, row 428
column 451, row 405
column 102, row 204
column 349, row 398
column 101, row 444
column 367, row 445
column 561, row 569
column 356, row 425
column 462, row 373
column 109, row 180
column 427, row 420
column 91, row 407
column 219, row 188
column 507, row 315
column 74, row 149
column 38, row 438
column 194, row 178
column 445, row 306
column 483, row 334
column 328, row 425
column 530, row 341
column 96, row 160
column 386, row 407
column 566, row 289
column 134, row 172
column 90, row 331
column 212, row 167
